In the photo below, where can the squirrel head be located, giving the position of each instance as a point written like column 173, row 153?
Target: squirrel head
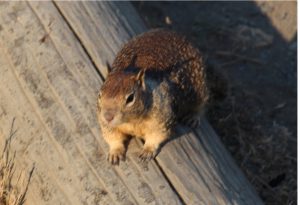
column 123, row 97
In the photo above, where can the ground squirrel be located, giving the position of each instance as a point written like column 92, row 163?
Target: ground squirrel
column 156, row 79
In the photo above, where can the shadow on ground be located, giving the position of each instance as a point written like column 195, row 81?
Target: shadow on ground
column 254, row 46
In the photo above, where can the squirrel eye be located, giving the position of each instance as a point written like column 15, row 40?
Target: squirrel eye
column 130, row 99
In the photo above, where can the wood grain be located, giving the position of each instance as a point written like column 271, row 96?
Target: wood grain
column 50, row 86
column 52, row 62
column 213, row 176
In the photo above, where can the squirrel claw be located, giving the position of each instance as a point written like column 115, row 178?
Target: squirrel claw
column 191, row 121
column 146, row 155
column 115, row 157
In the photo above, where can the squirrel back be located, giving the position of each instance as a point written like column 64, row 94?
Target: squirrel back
column 162, row 55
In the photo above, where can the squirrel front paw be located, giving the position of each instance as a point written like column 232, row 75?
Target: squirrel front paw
column 115, row 155
column 147, row 154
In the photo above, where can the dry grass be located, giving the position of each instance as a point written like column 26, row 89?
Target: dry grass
column 263, row 147
column 262, row 153
column 13, row 183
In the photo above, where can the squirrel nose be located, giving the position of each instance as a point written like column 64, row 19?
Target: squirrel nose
column 108, row 116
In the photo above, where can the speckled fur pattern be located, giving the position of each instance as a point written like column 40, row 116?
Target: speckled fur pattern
column 172, row 86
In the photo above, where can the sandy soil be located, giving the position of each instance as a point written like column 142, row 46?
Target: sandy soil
column 253, row 45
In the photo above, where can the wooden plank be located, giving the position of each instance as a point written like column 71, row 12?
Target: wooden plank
column 50, row 85
column 99, row 35
column 196, row 163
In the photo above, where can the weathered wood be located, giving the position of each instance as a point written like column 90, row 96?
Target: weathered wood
column 102, row 37
column 211, row 170
column 49, row 57
column 50, row 86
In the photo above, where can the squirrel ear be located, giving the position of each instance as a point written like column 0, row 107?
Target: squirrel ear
column 109, row 69
column 140, row 78
column 133, row 61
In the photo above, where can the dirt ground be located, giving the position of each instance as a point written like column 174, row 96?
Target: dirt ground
column 253, row 46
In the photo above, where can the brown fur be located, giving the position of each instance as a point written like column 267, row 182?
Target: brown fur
column 166, row 75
